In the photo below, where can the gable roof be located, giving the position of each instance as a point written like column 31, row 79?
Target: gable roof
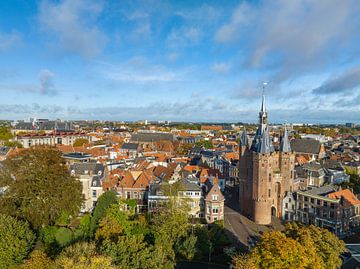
column 347, row 195
column 214, row 191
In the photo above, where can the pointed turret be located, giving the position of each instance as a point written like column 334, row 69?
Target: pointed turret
column 285, row 143
column 244, row 141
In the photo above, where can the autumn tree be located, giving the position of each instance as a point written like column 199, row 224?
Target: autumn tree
column 297, row 247
column 80, row 142
column 16, row 241
column 38, row 260
column 83, row 255
column 39, row 187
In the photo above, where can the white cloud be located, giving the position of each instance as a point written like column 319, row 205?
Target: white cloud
column 293, row 37
column 139, row 70
column 73, row 23
column 47, row 86
column 8, row 40
column 221, row 67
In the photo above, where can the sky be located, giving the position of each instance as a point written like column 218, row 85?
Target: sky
column 180, row 60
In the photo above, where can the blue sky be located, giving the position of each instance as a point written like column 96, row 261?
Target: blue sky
column 180, row 60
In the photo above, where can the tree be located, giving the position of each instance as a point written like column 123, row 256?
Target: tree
column 297, row 247
column 40, row 187
column 187, row 247
column 80, row 142
column 5, row 134
column 325, row 246
column 169, row 225
column 205, row 143
column 129, row 252
column 83, row 256
column 245, row 261
column 16, row 241
column 104, row 202
column 38, row 260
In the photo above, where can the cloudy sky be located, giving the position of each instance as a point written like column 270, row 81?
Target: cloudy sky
column 180, row 60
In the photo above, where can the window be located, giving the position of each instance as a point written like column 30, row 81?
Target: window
column 318, row 202
column 94, row 193
column 135, row 195
column 306, row 199
column 269, row 177
column 215, row 197
column 269, row 193
column 215, row 210
column 128, row 195
column 312, row 200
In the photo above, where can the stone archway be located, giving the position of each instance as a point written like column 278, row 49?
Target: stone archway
column 273, row 211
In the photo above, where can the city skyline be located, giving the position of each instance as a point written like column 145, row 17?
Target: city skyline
column 180, row 61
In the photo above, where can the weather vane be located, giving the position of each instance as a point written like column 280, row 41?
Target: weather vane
column 264, row 85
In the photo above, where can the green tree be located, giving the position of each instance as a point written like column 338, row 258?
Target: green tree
column 205, row 143
column 5, row 133
column 129, row 252
column 104, row 202
column 187, row 247
column 169, row 225
column 80, row 142
column 16, row 241
column 43, row 188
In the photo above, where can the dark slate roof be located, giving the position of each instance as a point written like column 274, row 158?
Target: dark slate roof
column 4, row 150
column 81, row 168
column 285, row 144
column 323, row 191
column 96, row 181
column 77, row 155
column 314, row 169
column 152, row 137
column 189, row 186
column 130, row 146
column 211, row 153
column 310, row 146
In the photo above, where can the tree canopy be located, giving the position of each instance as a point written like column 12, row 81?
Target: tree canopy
column 16, row 241
column 39, row 187
column 296, row 247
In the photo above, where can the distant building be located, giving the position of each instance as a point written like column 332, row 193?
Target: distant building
column 51, row 139
column 350, row 125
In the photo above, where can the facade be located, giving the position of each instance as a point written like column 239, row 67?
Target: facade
column 91, row 175
column 327, row 207
column 214, row 205
column 265, row 175
column 51, row 139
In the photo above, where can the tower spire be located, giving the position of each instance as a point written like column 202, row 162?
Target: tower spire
column 244, row 141
column 285, row 144
column 263, row 104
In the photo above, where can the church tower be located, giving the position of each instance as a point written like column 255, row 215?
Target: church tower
column 264, row 174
